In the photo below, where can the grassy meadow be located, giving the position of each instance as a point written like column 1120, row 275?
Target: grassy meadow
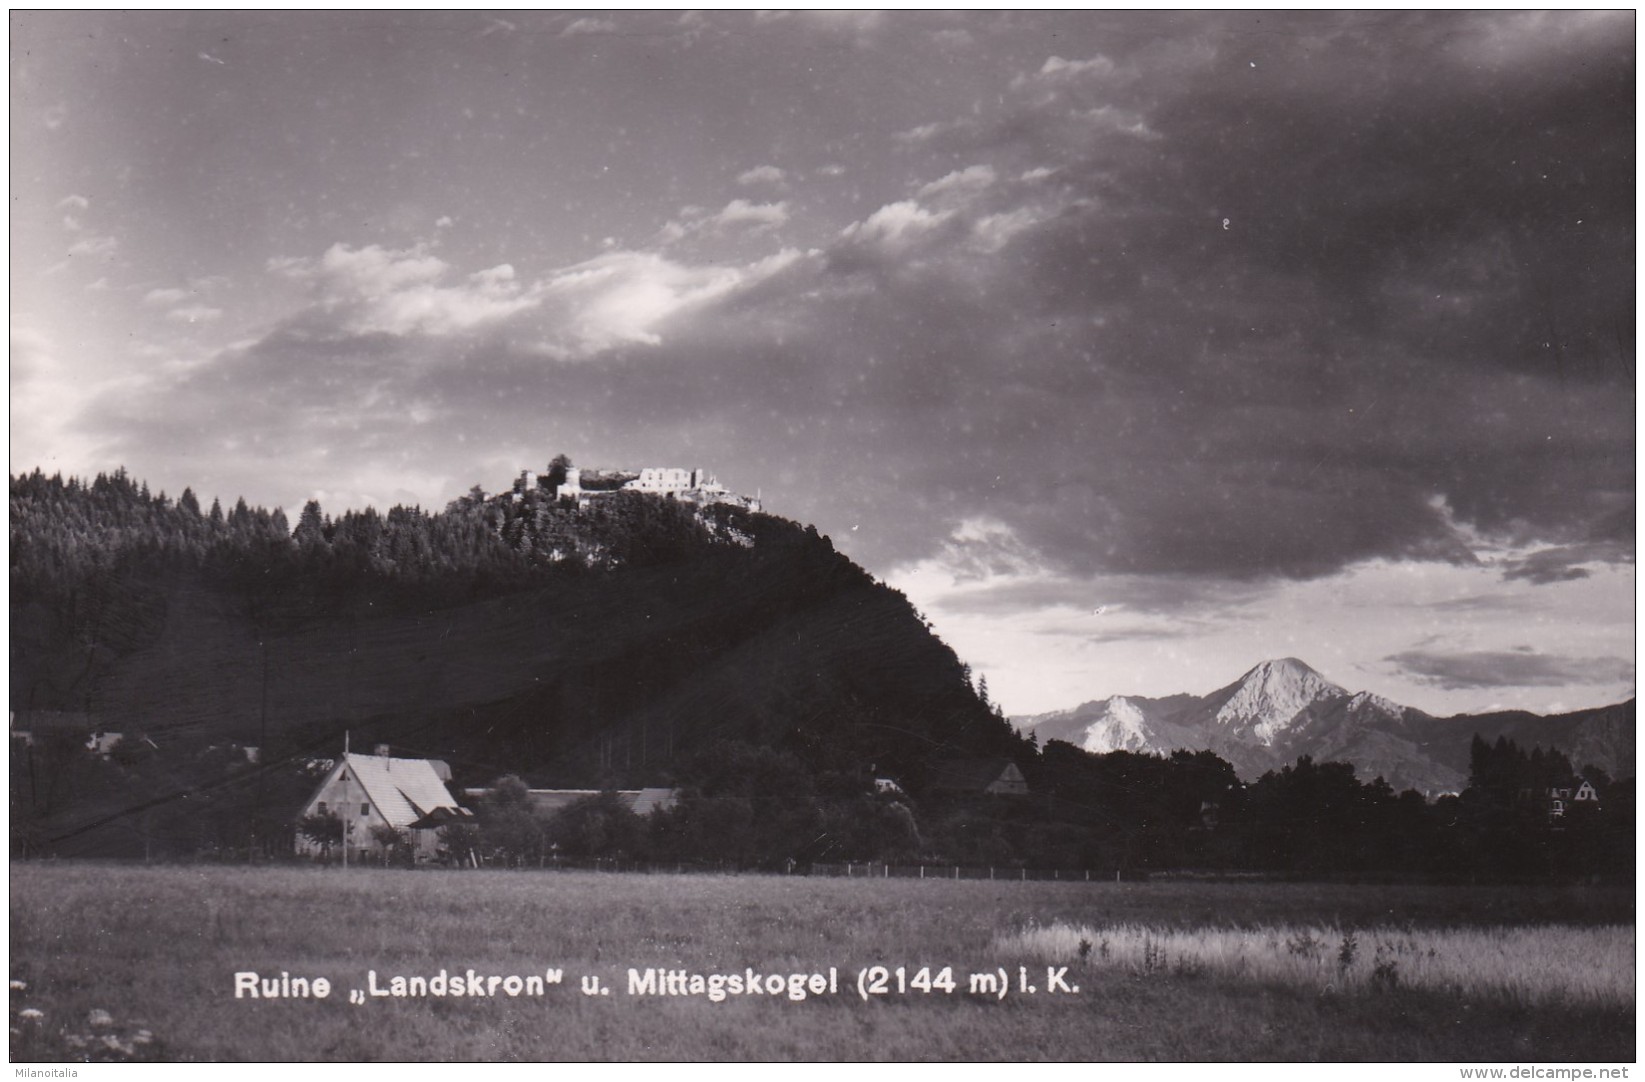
column 138, row 962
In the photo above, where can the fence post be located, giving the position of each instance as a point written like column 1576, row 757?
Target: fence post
column 922, row 871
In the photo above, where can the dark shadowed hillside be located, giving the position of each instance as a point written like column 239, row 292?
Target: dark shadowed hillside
column 578, row 647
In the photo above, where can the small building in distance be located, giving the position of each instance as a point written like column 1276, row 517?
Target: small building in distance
column 364, row 791
column 547, row 803
column 35, row 726
column 996, row 777
column 1562, row 797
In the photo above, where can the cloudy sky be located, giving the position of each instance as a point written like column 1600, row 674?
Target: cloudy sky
column 1135, row 348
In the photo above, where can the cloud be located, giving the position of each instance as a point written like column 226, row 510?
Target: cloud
column 737, row 216
column 960, row 183
column 762, row 174
column 994, row 231
column 94, row 247
column 165, row 296
column 1510, row 668
column 625, row 298
column 48, row 386
column 926, row 133
column 399, row 291
column 895, row 226
column 74, row 202
column 741, row 214
column 1057, row 69
column 619, row 298
column 845, row 22
column 195, row 313
column 1565, row 563
column 589, row 26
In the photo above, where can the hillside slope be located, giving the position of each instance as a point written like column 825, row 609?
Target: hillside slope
column 592, row 671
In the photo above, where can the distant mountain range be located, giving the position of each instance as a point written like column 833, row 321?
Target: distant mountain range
column 1283, row 709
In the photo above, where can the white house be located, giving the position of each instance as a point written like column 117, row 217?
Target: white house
column 366, row 791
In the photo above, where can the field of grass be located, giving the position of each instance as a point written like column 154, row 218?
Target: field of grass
column 1546, row 964
column 134, row 962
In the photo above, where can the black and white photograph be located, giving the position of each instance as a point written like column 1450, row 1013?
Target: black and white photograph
column 823, row 536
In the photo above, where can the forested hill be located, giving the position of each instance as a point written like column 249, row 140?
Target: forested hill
column 510, row 634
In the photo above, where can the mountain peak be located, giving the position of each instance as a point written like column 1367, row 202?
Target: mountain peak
column 1269, row 697
column 1283, row 666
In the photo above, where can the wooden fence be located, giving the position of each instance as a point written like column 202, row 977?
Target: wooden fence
column 956, row 871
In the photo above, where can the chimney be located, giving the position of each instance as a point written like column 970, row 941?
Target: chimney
column 382, row 751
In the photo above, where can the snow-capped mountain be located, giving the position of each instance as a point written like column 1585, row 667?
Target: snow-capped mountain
column 1282, row 709
column 1117, row 724
column 1269, row 699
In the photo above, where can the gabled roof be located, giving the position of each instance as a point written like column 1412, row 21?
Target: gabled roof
column 440, row 817
column 647, row 801
column 403, row 790
column 974, row 775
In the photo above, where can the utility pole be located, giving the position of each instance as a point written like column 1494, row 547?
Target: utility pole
column 345, row 800
column 262, row 749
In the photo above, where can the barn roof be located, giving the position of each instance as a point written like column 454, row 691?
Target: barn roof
column 403, row 790
column 53, row 721
column 552, row 801
column 549, row 802
column 647, row 801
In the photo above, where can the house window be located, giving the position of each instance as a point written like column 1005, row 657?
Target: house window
column 365, row 810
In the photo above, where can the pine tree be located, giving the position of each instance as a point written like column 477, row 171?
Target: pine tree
column 310, row 525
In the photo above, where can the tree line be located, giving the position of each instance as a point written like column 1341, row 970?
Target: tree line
column 1120, row 813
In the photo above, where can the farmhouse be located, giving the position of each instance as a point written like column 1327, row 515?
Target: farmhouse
column 408, row 796
column 1562, row 797
column 997, row 777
